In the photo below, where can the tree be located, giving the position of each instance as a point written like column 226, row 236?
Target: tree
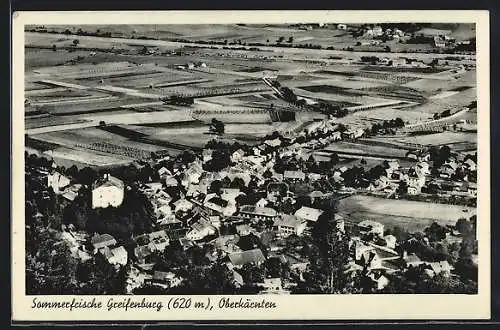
column 217, row 126
column 280, row 39
column 327, row 274
column 435, row 232
column 76, row 42
column 54, row 48
column 290, row 39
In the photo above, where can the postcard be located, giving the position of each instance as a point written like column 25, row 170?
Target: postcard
column 250, row 165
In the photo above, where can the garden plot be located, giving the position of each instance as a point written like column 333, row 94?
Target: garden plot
column 100, row 105
column 46, row 121
column 453, row 102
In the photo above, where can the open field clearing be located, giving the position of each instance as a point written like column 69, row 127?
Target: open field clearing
column 410, row 215
column 434, row 86
column 36, row 58
column 30, row 123
column 363, row 149
column 453, row 102
column 440, row 138
column 67, row 157
column 91, row 106
column 391, row 113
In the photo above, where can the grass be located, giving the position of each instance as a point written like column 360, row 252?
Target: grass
column 410, row 215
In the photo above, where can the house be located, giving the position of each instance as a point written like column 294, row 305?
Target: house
column 158, row 240
column 341, row 26
column 243, row 229
column 308, row 214
column 190, row 66
column 272, row 286
column 472, row 189
column 377, row 31
column 200, row 230
column 183, row 205
column 390, row 241
column 237, row 279
column 237, row 155
column 411, row 260
column 439, row 267
column 294, row 175
column 219, row 205
column 289, row 225
column 412, row 190
column 371, row 227
column 470, row 164
column 185, row 243
column 273, row 143
column 116, row 256
column 206, row 155
column 141, row 253
column 239, row 259
column 439, row 42
column 163, row 172
column 101, row 241
column 57, row 181
column 261, row 203
column 71, row 192
column 107, row 191
column 276, row 191
column 258, row 213
column 163, row 279
column 380, row 280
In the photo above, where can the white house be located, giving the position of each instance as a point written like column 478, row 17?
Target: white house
column 289, row 224
column 200, row 230
column 57, row 181
column 308, row 214
column 107, row 191
column 116, row 256
column 342, row 27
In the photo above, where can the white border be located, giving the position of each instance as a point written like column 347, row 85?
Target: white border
column 294, row 307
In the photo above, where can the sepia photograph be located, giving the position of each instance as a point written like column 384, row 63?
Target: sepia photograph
column 335, row 157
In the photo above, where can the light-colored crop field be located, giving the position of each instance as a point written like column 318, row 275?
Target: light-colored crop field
column 67, row 157
column 441, row 138
column 410, row 215
column 364, row 149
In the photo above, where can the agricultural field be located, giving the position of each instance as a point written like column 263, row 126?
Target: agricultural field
column 365, row 149
column 411, row 215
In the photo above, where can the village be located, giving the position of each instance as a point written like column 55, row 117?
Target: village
column 241, row 204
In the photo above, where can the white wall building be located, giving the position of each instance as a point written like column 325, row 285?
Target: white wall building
column 107, row 191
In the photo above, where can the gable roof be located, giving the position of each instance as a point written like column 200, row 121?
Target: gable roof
column 246, row 257
column 108, row 181
column 308, row 213
column 103, row 240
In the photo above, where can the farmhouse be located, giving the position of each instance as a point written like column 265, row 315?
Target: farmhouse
column 57, row 181
column 253, row 257
column 342, row 26
column 107, row 191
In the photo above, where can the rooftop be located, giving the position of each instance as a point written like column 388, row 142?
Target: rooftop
column 308, row 213
column 246, row 257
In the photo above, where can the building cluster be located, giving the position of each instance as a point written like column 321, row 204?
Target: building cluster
column 194, row 206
